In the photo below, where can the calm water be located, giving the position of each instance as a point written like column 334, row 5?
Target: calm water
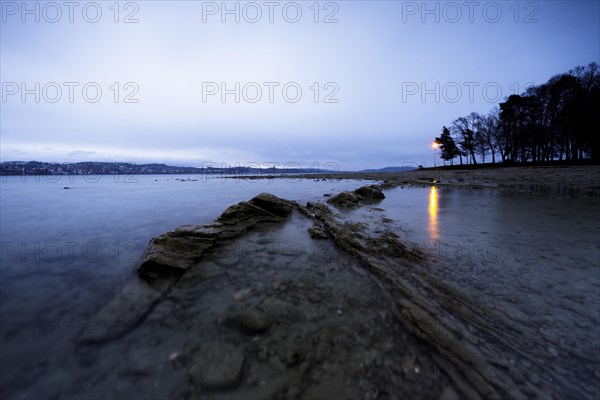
column 65, row 253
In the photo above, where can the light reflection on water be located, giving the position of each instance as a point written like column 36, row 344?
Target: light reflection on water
column 433, row 211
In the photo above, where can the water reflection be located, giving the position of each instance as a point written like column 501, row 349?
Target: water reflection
column 433, row 209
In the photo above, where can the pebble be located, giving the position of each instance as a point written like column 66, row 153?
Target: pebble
column 248, row 320
column 315, row 297
column 292, row 393
column 501, row 362
column 408, row 364
column 242, row 294
column 448, row 394
column 138, row 362
column 553, row 352
column 217, row 366
column 517, row 375
column 262, row 354
column 315, row 376
column 177, row 359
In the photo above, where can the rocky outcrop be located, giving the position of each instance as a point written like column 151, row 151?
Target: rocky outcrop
column 170, row 255
column 353, row 199
column 372, row 192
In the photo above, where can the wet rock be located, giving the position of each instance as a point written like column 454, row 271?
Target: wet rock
column 353, row 199
column 122, row 313
column 273, row 204
column 249, row 321
column 317, row 232
column 345, row 199
column 265, row 206
column 217, row 366
column 170, row 255
column 372, row 192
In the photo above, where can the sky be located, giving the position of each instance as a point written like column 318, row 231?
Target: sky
column 354, row 84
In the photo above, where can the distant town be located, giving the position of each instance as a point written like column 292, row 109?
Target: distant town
column 111, row 168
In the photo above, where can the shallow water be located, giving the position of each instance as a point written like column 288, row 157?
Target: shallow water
column 533, row 258
column 66, row 252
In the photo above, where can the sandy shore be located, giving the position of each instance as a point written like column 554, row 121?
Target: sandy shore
column 573, row 181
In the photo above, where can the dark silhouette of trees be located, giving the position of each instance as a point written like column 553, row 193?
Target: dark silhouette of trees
column 552, row 121
column 464, row 129
column 448, row 148
column 488, row 132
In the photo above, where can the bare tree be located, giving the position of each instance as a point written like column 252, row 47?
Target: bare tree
column 465, row 129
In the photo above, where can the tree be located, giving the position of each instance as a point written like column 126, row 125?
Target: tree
column 554, row 120
column 464, row 128
column 489, row 131
column 448, row 148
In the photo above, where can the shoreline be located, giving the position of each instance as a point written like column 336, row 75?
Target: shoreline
column 580, row 181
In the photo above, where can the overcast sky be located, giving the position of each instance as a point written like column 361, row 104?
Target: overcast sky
column 360, row 84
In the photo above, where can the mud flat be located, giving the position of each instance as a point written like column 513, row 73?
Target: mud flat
column 276, row 299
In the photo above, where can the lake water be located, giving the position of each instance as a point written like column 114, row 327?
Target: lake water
column 536, row 256
column 66, row 252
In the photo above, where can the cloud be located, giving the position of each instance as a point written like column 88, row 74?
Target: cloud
column 82, row 153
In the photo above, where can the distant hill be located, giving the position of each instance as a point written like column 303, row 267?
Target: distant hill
column 390, row 169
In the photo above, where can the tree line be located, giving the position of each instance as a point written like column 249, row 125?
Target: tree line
column 548, row 122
